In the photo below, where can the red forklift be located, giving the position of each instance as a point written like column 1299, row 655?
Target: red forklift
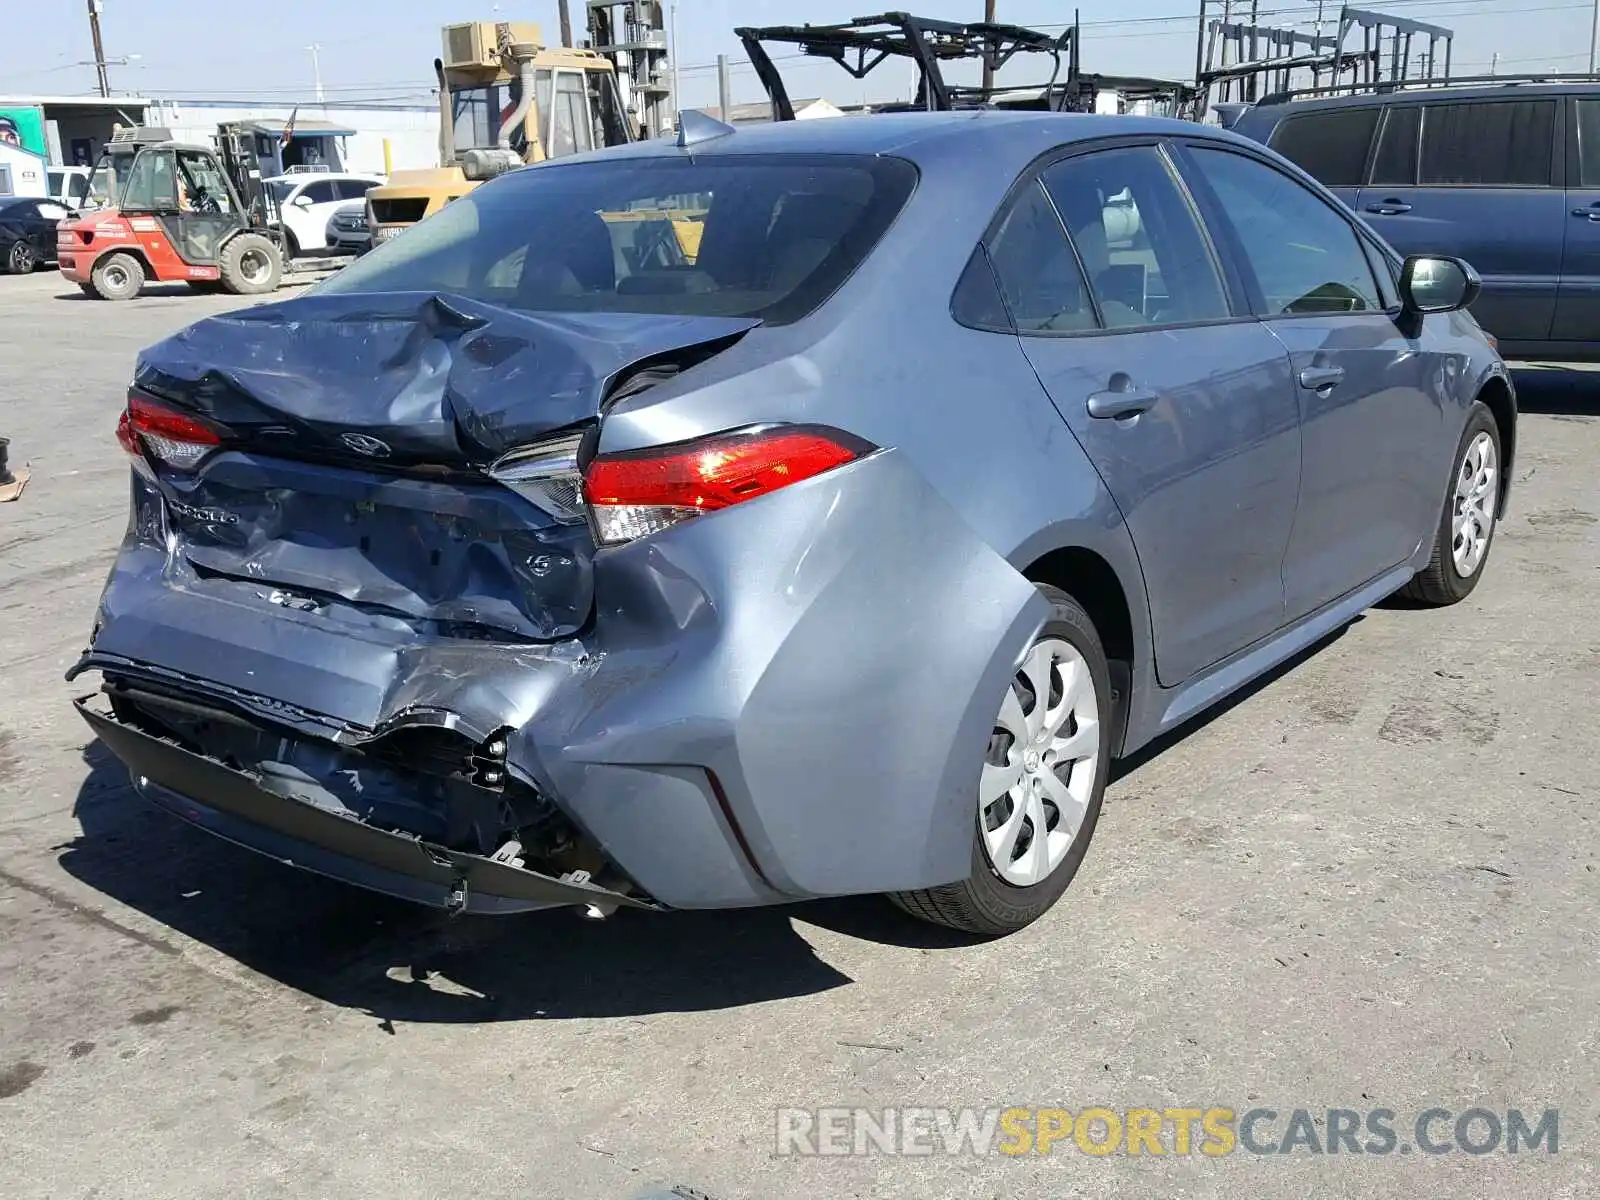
column 162, row 211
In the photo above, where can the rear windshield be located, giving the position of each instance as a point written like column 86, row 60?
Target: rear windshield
column 757, row 236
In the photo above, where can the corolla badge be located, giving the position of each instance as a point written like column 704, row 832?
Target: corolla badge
column 362, row 444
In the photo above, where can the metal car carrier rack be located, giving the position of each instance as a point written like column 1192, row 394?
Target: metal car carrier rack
column 863, row 44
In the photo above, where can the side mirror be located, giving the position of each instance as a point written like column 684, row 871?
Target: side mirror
column 301, row 201
column 1436, row 284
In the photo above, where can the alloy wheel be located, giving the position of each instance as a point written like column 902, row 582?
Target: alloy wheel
column 1044, row 756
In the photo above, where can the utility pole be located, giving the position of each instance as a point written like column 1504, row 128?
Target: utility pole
column 672, row 51
column 316, row 68
column 1494, row 63
column 722, row 85
column 100, row 50
column 566, row 24
column 1594, row 37
column 988, row 71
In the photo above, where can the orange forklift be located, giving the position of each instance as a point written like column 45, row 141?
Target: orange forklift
column 162, row 211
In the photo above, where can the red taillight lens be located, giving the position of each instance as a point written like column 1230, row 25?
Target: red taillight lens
column 175, row 438
column 643, row 492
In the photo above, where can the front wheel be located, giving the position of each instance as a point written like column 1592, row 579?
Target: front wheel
column 250, row 264
column 1039, row 791
column 1466, row 524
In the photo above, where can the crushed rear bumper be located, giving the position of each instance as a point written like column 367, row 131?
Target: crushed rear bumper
column 232, row 805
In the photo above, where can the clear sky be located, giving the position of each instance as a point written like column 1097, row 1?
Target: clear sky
column 385, row 51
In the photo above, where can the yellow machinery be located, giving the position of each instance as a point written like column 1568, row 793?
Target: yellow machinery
column 505, row 100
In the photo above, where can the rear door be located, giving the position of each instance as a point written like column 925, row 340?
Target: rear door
column 1578, row 306
column 1331, row 145
column 1368, row 422
column 1481, row 179
column 1180, row 399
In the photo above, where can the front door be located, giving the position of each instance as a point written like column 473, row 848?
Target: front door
column 1578, row 309
column 1483, row 186
column 1368, row 485
column 1181, row 401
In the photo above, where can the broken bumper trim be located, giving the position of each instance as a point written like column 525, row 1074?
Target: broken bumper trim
column 233, row 806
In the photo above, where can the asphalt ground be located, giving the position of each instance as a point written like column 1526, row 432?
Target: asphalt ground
column 1370, row 883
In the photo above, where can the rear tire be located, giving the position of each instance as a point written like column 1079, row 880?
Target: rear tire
column 20, row 259
column 117, row 277
column 1057, row 749
column 1472, row 501
column 251, row 264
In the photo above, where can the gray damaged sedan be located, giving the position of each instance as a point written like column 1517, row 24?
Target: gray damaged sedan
column 807, row 510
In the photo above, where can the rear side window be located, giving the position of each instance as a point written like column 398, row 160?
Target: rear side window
column 764, row 236
column 1037, row 270
column 320, row 192
column 1396, row 160
column 1589, row 143
column 1506, row 143
column 1306, row 258
column 1137, row 237
column 1330, row 146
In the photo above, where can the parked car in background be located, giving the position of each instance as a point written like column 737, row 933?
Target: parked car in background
column 308, row 202
column 349, row 231
column 28, row 232
column 1505, row 175
column 545, row 556
column 69, row 185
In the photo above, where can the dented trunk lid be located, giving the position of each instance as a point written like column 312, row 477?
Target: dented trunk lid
column 353, row 482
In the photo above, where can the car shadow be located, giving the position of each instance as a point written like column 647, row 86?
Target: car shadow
column 1555, row 389
column 401, row 962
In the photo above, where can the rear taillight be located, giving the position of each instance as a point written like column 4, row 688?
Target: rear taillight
column 641, row 492
column 177, row 439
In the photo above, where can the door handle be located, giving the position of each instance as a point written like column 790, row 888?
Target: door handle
column 1128, row 402
column 1592, row 214
column 1320, row 379
column 1389, row 208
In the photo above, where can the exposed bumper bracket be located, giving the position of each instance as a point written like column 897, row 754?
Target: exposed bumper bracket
column 233, row 805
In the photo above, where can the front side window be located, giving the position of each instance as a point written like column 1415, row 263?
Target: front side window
column 1304, row 255
column 203, row 189
column 1330, row 146
column 1040, row 280
column 1137, row 237
column 751, row 235
column 1494, row 143
column 321, row 192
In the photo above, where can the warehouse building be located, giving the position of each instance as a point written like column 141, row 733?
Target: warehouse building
column 368, row 138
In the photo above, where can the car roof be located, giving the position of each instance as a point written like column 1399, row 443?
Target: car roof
column 911, row 135
column 1510, row 90
column 313, row 176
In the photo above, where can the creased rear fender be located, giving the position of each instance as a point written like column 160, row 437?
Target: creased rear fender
column 834, row 654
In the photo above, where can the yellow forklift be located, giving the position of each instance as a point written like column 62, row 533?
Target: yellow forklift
column 505, row 100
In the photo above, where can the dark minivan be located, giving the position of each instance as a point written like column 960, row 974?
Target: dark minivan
column 1506, row 176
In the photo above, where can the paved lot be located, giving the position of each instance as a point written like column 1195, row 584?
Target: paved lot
column 1374, row 882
